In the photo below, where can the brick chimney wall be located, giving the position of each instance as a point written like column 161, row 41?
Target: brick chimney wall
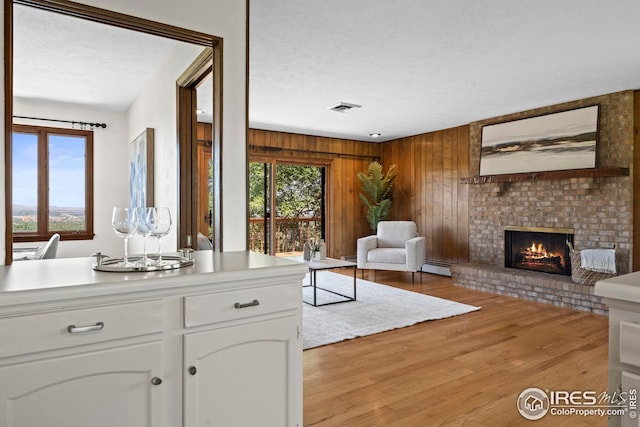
column 598, row 209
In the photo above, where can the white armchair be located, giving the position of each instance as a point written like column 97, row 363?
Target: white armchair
column 396, row 246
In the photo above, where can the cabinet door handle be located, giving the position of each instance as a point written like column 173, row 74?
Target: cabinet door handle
column 192, row 370
column 73, row 329
column 248, row 304
column 156, row 381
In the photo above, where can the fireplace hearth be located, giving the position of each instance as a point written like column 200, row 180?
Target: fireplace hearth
column 538, row 249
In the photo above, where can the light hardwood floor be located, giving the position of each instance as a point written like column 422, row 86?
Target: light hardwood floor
column 461, row 371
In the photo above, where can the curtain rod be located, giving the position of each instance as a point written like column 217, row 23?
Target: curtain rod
column 98, row 125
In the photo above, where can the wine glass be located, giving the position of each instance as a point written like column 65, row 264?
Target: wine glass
column 145, row 221
column 161, row 228
column 123, row 221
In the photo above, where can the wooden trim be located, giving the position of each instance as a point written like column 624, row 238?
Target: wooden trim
column 246, row 124
column 276, row 150
column 299, row 162
column 43, row 178
column 604, row 171
column 207, row 63
column 197, row 70
column 8, row 122
column 272, row 208
column 64, row 235
column 204, row 154
column 216, row 136
column 186, row 100
column 89, row 193
column 120, row 20
column 635, row 194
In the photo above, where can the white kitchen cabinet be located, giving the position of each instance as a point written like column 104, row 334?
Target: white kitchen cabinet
column 243, row 375
column 100, row 389
column 216, row 344
column 622, row 296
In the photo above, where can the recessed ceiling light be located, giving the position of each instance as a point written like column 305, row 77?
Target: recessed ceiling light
column 375, row 135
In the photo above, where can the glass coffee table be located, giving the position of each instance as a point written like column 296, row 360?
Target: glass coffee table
column 327, row 264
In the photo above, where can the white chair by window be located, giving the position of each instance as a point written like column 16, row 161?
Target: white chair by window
column 204, row 243
column 46, row 251
column 396, row 246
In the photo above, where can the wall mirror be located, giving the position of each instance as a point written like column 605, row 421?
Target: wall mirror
column 77, row 66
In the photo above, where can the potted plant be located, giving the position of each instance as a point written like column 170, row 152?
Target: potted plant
column 375, row 192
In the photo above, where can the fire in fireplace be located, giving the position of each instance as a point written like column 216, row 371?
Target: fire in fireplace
column 538, row 249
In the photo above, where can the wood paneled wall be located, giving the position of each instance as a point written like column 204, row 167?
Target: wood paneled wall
column 428, row 191
column 343, row 159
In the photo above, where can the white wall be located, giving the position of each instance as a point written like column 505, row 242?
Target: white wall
column 226, row 19
column 110, row 169
column 155, row 108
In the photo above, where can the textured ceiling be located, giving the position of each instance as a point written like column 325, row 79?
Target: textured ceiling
column 58, row 58
column 423, row 65
column 414, row 65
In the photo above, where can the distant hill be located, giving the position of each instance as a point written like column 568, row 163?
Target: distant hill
column 54, row 210
column 24, row 210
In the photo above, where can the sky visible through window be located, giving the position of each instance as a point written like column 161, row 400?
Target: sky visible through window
column 25, row 169
column 66, row 170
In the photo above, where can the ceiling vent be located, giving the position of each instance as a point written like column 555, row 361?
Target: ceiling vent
column 343, row 107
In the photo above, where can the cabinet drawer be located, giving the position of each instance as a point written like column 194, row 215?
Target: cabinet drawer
column 236, row 304
column 48, row 331
column 630, row 343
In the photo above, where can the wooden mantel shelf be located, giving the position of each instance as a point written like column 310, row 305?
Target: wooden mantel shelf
column 605, row 171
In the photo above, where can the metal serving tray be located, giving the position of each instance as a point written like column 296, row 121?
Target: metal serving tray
column 169, row 262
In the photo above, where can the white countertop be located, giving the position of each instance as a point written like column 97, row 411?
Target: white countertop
column 625, row 287
column 45, row 280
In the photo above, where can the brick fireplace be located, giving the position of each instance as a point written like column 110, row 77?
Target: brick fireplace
column 597, row 209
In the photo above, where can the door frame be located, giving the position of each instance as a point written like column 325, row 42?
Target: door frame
column 120, row 20
column 208, row 64
column 274, row 161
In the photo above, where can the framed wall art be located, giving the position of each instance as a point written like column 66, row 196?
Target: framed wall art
column 557, row 141
column 141, row 170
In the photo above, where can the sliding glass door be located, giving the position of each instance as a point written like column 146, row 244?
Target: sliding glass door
column 287, row 206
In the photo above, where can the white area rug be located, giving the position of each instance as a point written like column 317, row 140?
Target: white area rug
column 378, row 308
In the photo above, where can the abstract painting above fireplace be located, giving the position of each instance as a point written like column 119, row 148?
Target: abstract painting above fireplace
column 538, row 249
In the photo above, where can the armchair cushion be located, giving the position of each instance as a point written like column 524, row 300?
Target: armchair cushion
column 394, row 234
column 387, row 255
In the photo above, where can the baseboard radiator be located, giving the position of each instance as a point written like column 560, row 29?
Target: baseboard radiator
column 433, row 267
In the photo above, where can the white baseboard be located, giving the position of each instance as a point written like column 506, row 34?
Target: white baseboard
column 440, row 269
